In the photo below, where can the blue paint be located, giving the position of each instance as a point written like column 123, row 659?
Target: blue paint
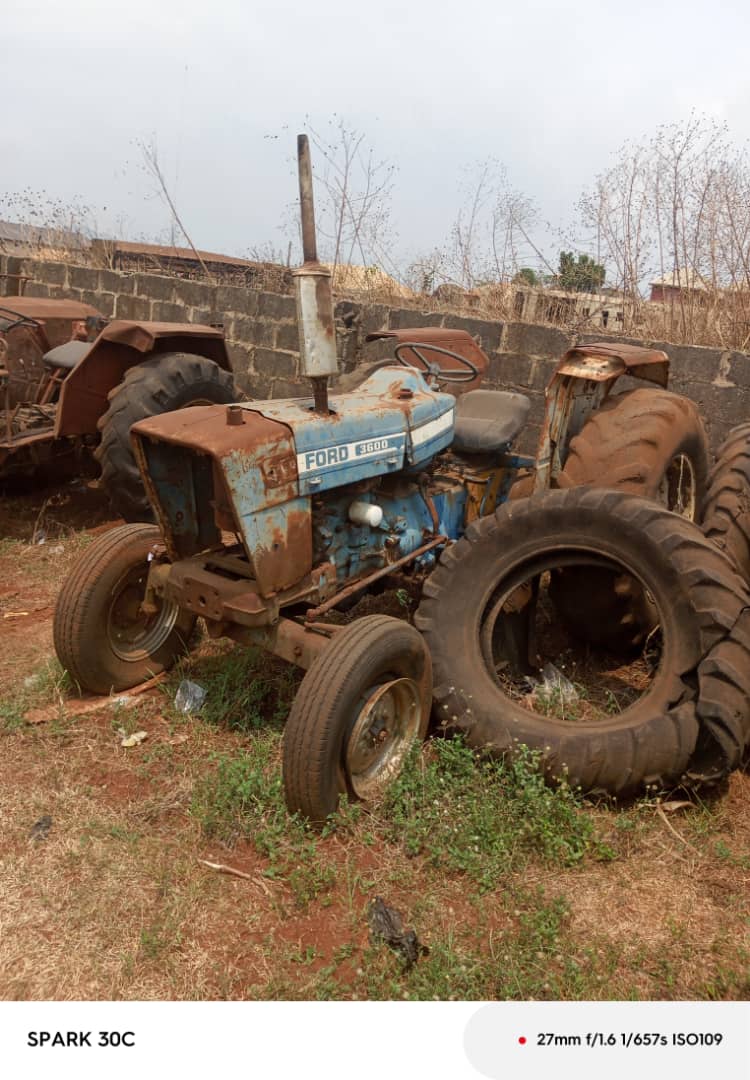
column 372, row 431
column 379, row 437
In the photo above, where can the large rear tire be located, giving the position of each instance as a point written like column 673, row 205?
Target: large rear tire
column 101, row 637
column 360, row 707
column 160, row 384
column 645, row 442
column 726, row 510
column 694, row 721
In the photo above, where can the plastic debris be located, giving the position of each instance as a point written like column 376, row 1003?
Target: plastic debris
column 386, row 925
column 124, row 701
column 189, row 697
column 553, row 683
column 58, row 549
column 40, row 829
column 135, row 739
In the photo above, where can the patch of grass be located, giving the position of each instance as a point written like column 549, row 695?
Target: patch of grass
column 246, row 689
column 48, row 684
column 242, row 796
column 534, row 957
column 483, row 817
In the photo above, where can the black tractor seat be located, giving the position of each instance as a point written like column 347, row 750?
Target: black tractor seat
column 67, row 355
column 487, row 421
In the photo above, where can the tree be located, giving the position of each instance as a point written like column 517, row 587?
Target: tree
column 353, row 198
column 579, row 274
column 676, row 206
column 526, row 276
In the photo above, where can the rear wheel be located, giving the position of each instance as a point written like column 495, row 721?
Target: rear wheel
column 506, row 674
column 160, row 384
column 102, row 636
column 645, row 442
column 726, row 511
column 363, row 703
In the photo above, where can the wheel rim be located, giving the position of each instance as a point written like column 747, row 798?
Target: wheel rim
column 384, row 730
column 134, row 636
column 677, row 487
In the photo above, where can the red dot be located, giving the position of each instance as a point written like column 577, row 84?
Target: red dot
column 522, row 1039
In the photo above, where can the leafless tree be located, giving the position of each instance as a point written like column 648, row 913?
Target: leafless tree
column 677, row 207
column 353, row 207
column 150, row 156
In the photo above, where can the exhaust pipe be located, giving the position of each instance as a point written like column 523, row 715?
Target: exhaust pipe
column 317, row 336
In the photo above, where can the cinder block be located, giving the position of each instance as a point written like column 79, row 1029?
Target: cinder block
column 274, row 363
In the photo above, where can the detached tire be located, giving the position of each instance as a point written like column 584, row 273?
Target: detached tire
column 694, row 721
column 726, row 511
column 362, row 704
column 100, row 636
column 160, row 384
column 645, row 442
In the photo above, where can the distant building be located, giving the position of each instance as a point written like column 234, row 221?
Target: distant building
column 184, row 262
column 668, row 288
column 21, row 239
column 604, row 310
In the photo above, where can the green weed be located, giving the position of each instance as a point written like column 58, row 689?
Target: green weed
column 483, row 817
column 246, row 689
column 242, row 796
column 48, row 684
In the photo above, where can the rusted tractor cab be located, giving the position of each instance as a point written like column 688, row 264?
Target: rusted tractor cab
column 73, row 382
column 272, row 515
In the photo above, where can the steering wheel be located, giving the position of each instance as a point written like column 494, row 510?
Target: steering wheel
column 431, row 368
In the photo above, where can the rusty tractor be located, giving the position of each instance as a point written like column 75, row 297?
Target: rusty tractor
column 71, row 381
column 274, row 516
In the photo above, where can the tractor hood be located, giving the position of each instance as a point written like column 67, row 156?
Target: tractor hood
column 251, row 468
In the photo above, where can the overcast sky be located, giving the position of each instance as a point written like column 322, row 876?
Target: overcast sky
column 550, row 88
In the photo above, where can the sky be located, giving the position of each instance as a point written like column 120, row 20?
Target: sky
column 549, row 89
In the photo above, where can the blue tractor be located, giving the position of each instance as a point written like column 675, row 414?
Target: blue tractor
column 273, row 515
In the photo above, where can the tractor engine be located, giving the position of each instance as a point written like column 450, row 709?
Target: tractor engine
column 292, row 490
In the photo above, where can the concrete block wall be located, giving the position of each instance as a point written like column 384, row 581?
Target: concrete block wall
column 262, row 337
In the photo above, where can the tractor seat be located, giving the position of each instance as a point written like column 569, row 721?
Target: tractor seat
column 487, row 421
column 67, row 355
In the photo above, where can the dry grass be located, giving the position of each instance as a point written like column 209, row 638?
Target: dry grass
column 115, row 902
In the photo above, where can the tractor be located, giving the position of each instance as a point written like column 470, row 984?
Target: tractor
column 274, row 517
column 70, row 380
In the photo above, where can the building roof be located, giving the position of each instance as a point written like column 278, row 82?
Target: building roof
column 681, row 279
column 16, row 232
column 161, row 251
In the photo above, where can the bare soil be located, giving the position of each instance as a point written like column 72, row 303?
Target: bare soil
column 115, row 902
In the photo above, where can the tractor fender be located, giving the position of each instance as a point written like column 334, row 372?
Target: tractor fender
column 605, row 361
column 121, row 345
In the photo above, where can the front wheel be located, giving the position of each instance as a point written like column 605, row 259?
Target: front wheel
column 360, row 707
column 102, row 636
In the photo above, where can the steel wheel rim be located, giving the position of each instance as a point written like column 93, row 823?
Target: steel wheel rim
column 677, row 487
column 383, row 732
column 132, row 635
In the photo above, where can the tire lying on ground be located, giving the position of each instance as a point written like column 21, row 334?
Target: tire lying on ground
column 726, row 509
column 160, row 384
column 101, row 636
column 691, row 725
column 646, row 442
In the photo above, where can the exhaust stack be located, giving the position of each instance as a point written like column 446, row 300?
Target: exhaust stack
column 317, row 337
